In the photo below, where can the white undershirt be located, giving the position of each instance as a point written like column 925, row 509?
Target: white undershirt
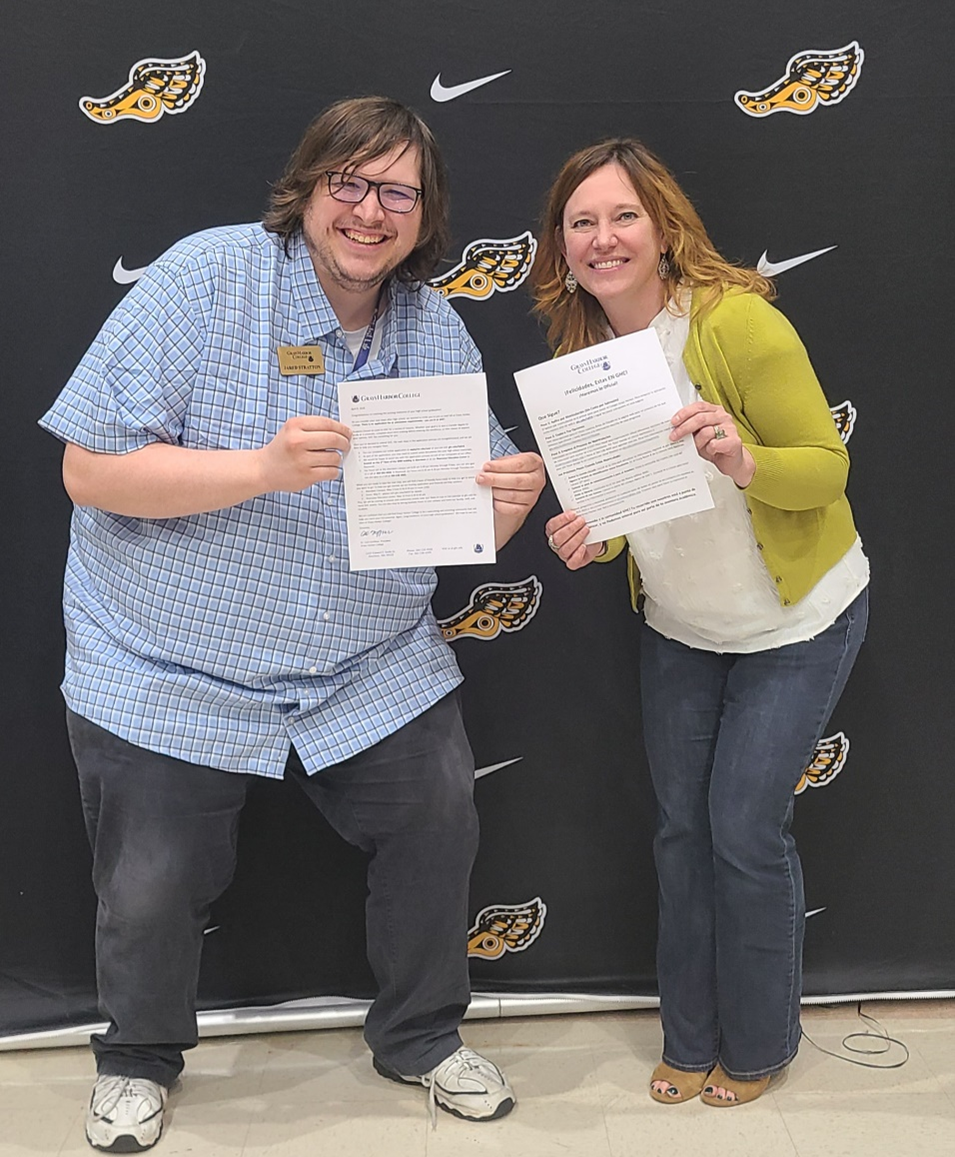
column 354, row 338
column 705, row 583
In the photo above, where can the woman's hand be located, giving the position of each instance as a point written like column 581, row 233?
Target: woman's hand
column 717, row 440
column 565, row 536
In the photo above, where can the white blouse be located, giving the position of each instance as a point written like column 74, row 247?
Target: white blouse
column 704, row 581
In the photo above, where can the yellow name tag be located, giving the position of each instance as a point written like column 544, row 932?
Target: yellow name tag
column 301, row 359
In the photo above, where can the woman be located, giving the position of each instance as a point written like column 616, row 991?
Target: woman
column 754, row 611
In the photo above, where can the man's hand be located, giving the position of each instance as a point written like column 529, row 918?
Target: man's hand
column 516, row 483
column 165, row 481
column 306, row 450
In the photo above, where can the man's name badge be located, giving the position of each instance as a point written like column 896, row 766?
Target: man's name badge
column 301, row 359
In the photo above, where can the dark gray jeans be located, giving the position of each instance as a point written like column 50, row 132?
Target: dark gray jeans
column 163, row 834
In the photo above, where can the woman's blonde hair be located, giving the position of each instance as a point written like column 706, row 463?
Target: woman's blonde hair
column 575, row 320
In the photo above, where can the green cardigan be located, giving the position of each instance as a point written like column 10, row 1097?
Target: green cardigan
column 745, row 356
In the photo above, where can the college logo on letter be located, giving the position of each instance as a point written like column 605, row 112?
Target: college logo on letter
column 155, row 87
column 844, row 416
column 489, row 266
column 829, row 759
column 504, row 928
column 495, row 607
column 812, row 76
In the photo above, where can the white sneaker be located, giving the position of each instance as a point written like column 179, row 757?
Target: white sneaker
column 466, row 1084
column 125, row 1114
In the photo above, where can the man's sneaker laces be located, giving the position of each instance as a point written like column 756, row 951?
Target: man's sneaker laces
column 125, row 1114
column 465, row 1074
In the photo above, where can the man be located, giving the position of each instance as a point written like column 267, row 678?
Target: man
column 215, row 631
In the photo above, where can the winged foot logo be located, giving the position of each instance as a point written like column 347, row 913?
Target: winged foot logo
column 829, row 758
column 489, row 266
column 501, row 928
column 493, row 608
column 155, row 86
column 813, row 78
column 844, row 416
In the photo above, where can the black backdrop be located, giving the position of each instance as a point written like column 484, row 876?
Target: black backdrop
column 563, row 893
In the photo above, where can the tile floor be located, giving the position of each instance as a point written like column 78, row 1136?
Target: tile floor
column 580, row 1082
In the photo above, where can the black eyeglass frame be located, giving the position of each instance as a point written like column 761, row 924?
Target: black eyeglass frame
column 376, row 185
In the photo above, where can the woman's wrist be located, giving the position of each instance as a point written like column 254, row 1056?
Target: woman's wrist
column 744, row 476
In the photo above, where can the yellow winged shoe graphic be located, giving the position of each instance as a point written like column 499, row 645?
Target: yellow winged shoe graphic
column 828, row 760
column 488, row 266
column 495, row 607
column 155, row 87
column 812, row 76
column 502, row 928
column 844, row 415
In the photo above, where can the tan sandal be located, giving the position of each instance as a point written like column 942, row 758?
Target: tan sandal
column 738, row 1092
column 681, row 1086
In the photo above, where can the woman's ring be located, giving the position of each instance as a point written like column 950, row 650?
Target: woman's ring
column 553, row 545
column 719, row 432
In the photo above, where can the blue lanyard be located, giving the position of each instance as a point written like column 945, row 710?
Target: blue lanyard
column 362, row 356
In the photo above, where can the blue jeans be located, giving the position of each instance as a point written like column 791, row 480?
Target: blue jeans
column 727, row 739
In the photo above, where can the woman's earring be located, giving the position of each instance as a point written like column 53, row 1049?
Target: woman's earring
column 663, row 269
column 570, row 282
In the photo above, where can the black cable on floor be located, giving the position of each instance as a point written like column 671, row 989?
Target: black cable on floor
column 885, row 1044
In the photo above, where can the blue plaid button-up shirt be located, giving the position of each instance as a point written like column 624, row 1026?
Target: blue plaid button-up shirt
column 221, row 638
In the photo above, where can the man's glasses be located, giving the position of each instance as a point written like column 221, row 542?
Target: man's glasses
column 352, row 189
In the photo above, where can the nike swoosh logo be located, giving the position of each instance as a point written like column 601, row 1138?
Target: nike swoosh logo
column 441, row 93
column 770, row 268
column 496, row 767
column 124, row 276
column 814, row 912
column 509, row 429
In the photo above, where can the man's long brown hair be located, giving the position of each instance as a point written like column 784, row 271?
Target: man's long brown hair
column 575, row 320
column 347, row 134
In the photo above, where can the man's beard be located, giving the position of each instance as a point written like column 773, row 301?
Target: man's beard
column 323, row 258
